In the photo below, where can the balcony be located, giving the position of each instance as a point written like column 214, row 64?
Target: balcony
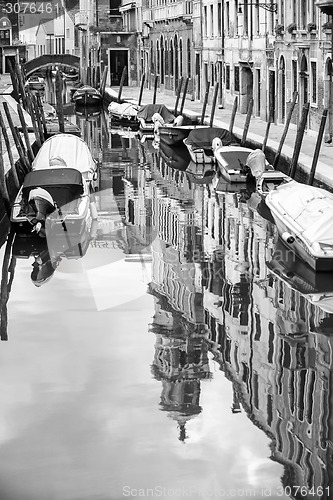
column 81, row 19
column 181, row 10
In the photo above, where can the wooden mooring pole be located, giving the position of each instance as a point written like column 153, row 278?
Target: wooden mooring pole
column 212, row 112
column 59, row 103
column 142, row 83
column 204, row 106
column 33, row 119
column 268, row 126
column 318, row 146
column 103, row 80
column 14, row 79
column 155, row 89
column 9, row 151
column 41, row 113
column 285, row 130
column 8, row 269
column 122, row 81
column 38, row 118
column 184, row 96
column 3, row 185
column 247, row 122
column 25, row 133
column 21, row 86
column 299, row 139
column 23, row 158
column 233, row 115
column 178, row 91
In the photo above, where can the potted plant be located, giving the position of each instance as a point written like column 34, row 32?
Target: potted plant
column 291, row 28
column 311, row 27
column 327, row 26
column 279, row 29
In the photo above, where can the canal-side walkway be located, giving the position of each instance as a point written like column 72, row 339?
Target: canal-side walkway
column 256, row 132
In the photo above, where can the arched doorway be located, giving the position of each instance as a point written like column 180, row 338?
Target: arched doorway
column 162, row 61
column 282, row 89
column 304, row 77
column 328, row 97
column 304, row 84
column 176, row 62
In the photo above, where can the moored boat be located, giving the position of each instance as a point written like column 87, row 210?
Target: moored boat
column 200, row 143
column 271, row 180
column 87, row 96
column 304, row 217
column 35, row 83
column 317, row 288
column 174, row 135
column 125, row 114
column 147, row 112
column 57, row 189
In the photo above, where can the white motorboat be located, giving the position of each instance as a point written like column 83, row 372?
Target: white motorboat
column 57, row 189
column 304, row 217
column 199, row 143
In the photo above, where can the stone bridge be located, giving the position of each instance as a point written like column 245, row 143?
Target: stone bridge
column 49, row 60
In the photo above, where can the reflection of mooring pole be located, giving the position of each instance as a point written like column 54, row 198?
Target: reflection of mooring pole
column 8, row 267
column 235, row 407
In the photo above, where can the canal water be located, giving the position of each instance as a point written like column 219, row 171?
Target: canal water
column 174, row 349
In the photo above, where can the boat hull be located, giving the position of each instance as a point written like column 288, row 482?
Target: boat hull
column 228, row 158
column 175, row 135
column 320, row 264
column 87, row 100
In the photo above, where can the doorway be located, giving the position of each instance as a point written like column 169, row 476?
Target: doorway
column 118, row 60
column 246, row 89
column 271, row 95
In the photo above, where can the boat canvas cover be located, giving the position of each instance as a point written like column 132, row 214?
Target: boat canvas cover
column 63, row 184
column 86, row 89
column 73, row 150
column 310, row 207
column 203, row 137
column 147, row 111
column 123, row 109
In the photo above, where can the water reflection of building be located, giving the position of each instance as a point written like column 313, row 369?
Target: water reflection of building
column 264, row 336
column 180, row 362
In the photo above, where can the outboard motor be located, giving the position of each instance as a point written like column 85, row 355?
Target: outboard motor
column 43, row 204
column 216, row 143
column 256, row 161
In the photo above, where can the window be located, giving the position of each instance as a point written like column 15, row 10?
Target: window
column 180, row 57
column 227, row 77
column 314, row 82
column 236, row 78
column 211, row 20
column 205, row 22
column 219, row 19
column 188, row 58
column 294, row 75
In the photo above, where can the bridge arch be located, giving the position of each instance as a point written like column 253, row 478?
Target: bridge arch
column 49, row 60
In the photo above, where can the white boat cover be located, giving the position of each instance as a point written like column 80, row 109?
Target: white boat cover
column 123, row 109
column 256, row 161
column 67, row 147
column 311, row 208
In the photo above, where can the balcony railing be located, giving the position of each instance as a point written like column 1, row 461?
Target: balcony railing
column 81, row 19
column 167, row 12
